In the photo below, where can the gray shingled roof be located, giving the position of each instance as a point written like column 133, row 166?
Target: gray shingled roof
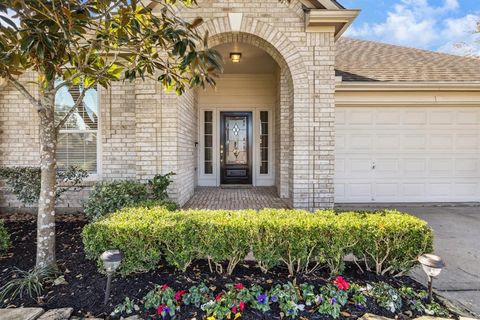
column 361, row 60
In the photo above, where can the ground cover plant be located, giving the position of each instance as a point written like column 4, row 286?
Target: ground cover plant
column 4, row 239
column 268, row 294
column 384, row 242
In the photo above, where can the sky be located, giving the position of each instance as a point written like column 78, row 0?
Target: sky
column 438, row 25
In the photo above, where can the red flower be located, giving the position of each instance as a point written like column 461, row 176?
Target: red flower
column 239, row 286
column 341, row 283
column 160, row 309
column 165, row 287
column 234, row 309
column 179, row 294
column 242, row 306
column 219, row 297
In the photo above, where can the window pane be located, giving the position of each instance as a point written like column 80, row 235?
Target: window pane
column 264, row 116
column 264, row 168
column 208, row 154
column 208, row 128
column 208, row 168
column 77, row 149
column 86, row 115
column 77, row 140
column 208, row 141
column 264, row 142
column 208, row 116
column 265, row 128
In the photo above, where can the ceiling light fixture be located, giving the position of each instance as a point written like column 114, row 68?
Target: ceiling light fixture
column 235, row 57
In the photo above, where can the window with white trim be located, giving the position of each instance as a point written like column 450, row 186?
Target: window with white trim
column 77, row 139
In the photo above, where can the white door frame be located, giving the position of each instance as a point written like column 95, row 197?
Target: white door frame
column 258, row 179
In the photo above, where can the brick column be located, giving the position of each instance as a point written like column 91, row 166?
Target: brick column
column 323, row 120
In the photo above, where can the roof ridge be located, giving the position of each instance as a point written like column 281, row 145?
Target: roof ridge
column 476, row 59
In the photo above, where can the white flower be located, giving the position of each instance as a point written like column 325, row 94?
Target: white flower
column 300, row 307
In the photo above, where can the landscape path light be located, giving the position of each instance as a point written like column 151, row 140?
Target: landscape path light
column 111, row 261
column 432, row 265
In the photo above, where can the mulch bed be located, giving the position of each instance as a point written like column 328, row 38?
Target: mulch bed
column 84, row 290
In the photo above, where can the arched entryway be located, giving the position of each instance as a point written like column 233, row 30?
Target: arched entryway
column 244, row 123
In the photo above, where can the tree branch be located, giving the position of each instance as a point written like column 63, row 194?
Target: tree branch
column 72, row 110
column 20, row 87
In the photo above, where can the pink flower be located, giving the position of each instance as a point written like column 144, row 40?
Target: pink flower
column 239, row 286
column 341, row 283
column 219, row 297
column 242, row 306
column 165, row 287
column 179, row 294
column 160, row 309
column 234, row 309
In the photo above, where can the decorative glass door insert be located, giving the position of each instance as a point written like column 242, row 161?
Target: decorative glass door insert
column 235, row 152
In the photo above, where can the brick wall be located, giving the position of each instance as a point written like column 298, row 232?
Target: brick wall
column 145, row 131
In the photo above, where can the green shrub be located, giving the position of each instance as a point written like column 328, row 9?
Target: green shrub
column 149, row 204
column 390, row 241
column 159, row 184
column 4, row 239
column 110, row 196
column 300, row 240
column 24, row 182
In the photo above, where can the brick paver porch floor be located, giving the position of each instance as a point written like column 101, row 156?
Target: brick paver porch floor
column 231, row 198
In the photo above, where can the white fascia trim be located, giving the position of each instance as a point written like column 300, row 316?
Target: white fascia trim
column 408, row 86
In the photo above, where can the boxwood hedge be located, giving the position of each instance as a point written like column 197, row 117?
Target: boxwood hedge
column 384, row 242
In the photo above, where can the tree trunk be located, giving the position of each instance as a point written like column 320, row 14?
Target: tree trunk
column 48, row 164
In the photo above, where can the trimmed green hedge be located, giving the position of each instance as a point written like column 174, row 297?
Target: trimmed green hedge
column 385, row 242
column 4, row 239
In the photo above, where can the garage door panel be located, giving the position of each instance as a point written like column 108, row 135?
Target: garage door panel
column 359, row 116
column 441, row 117
column 414, row 142
column 360, row 142
column 468, row 117
column 413, row 190
column 387, row 117
column 415, row 117
column 441, row 141
column 467, row 142
column 466, row 189
column 410, row 154
column 386, row 141
column 467, row 167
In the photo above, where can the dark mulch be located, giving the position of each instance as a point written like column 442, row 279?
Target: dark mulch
column 84, row 290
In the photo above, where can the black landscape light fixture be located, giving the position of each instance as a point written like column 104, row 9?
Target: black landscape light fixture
column 432, row 265
column 111, row 261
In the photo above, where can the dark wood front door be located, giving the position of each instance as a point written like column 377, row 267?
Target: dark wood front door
column 235, row 147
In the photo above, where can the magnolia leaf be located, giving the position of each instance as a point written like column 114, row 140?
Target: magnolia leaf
column 9, row 22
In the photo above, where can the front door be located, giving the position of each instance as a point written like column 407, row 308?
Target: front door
column 235, row 147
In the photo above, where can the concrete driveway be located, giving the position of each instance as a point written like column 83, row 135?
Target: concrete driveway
column 457, row 241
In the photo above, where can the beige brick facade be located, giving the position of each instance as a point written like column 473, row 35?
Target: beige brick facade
column 145, row 131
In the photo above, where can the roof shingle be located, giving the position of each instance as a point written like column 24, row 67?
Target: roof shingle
column 361, row 60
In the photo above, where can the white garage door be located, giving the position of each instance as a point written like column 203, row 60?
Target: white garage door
column 407, row 154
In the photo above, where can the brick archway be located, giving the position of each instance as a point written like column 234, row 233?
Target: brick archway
column 264, row 36
column 294, row 96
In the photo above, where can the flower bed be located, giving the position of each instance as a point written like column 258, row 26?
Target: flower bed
column 289, row 300
column 82, row 287
column 386, row 242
